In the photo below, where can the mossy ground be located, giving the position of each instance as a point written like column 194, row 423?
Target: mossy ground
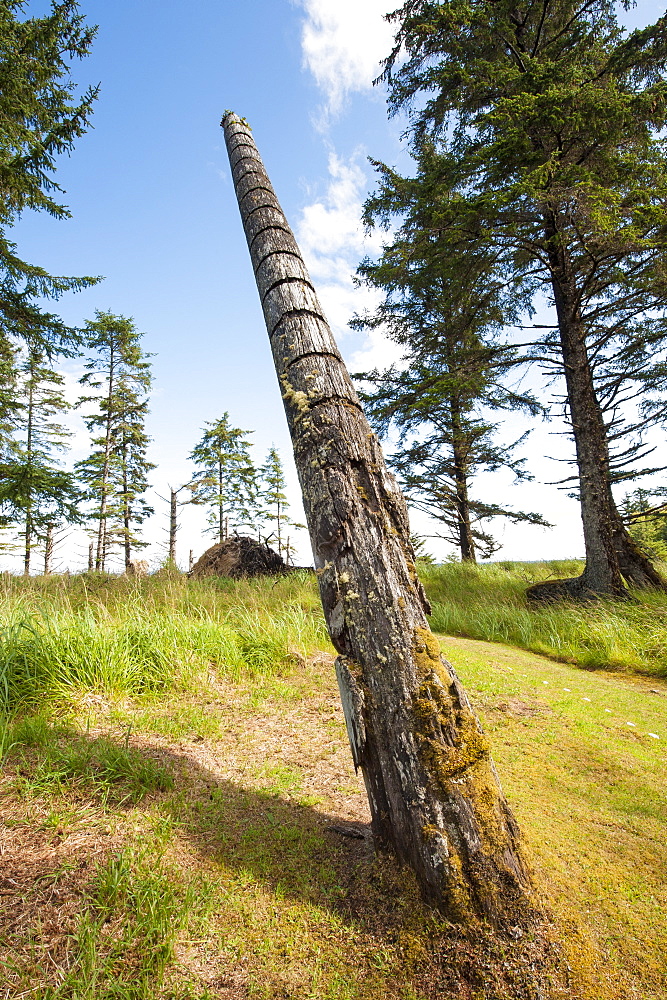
column 588, row 785
column 192, row 842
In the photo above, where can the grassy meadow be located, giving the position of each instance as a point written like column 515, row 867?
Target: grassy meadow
column 488, row 602
column 180, row 819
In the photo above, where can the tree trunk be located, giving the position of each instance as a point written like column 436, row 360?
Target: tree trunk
column 466, row 540
column 27, row 544
column 91, row 556
column 432, row 787
column 173, row 524
column 48, row 549
column 602, row 574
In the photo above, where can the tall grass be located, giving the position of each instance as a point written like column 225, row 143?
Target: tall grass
column 62, row 636
column 489, row 602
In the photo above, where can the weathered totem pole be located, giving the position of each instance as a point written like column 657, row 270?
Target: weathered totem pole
column 434, row 795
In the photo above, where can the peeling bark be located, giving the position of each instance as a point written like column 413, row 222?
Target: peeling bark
column 434, row 794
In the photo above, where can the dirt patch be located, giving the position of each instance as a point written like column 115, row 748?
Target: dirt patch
column 43, row 878
column 522, row 709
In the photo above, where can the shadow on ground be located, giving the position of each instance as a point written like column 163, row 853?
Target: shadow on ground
column 300, row 853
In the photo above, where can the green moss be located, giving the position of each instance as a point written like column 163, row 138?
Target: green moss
column 466, row 759
column 436, row 714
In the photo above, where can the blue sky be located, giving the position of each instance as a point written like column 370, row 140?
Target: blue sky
column 153, row 210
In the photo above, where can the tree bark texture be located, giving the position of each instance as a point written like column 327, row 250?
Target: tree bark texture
column 602, row 573
column 433, row 791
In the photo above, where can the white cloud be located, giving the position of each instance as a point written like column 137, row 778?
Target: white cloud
column 333, row 242
column 332, row 225
column 343, row 43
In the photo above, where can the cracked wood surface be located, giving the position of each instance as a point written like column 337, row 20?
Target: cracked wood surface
column 432, row 787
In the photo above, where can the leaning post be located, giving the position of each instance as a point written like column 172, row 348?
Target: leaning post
column 432, row 787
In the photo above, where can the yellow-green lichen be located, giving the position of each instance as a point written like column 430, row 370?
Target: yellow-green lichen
column 428, row 830
column 295, row 396
column 437, row 714
column 467, row 762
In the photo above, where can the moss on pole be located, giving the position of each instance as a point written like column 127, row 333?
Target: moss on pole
column 433, row 791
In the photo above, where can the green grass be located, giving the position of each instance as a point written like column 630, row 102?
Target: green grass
column 590, row 793
column 63, row 637
column 173, row 760
column 125, row 938
column 488, row 602
column 230, row 881
column 50, row 757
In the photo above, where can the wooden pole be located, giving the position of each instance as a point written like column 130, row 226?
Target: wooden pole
column 432, row 787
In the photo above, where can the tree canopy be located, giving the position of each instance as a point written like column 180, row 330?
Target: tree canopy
column 546, row 121
column 41, row 117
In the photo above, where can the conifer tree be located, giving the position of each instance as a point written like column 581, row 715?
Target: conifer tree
column 130, row 450
column 547, row 118
column 273, row 498
column 455, row 379
column 227, row 479
column 35, row 490
column 10, row 403
column 40, row 118
column 115, row 473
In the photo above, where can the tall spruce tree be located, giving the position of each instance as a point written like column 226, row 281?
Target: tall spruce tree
column 227, row 479
column 547, row 121
column 115, row 473
column 456, row 377
column 35, row 491
column 40, row 118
